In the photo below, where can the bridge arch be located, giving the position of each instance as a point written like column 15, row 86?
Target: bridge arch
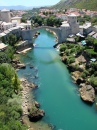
column 29, row 34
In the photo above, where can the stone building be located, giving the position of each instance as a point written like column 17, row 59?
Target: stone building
column 70, row 26
column 5, row 26
column 86, row 28
column 72, row 20
column 16, row 19
column 5, row 15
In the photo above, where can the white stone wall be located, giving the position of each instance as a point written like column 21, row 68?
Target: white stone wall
column 5, row 16
column 6, row 26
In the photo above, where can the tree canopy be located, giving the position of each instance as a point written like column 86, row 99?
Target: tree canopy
column 10, row 109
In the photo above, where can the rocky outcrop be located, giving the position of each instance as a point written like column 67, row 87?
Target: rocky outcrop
column 76, row 77
column 30, row 109
column 21, row 66
column 26, row 88
column 64, row 58
column 35, row 114
column 25, row 83
column 80, row 81
column 36, row 34
column 31, row 67
column 17, row 65
column 37, row 104
column 87, row 93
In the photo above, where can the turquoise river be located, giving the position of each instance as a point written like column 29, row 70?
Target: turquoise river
column 57, row 93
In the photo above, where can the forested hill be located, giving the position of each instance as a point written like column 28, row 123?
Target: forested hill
column 81, row 4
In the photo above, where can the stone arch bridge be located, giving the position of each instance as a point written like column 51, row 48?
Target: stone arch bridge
column 29, row 34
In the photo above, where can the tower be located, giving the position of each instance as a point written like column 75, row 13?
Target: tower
column 72, row 20
column 5, row 15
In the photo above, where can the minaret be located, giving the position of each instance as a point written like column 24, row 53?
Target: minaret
column 72, row 20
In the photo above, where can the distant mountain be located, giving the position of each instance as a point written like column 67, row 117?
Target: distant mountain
column 81, row 4
column 18, row 7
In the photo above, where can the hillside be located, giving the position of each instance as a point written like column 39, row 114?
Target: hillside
column 81, row 4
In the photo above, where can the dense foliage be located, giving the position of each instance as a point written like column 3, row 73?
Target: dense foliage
column 7, row 56
column 50, row 21
column 70, row 54
column 91, row 47
column 86, row 18
column 10, row 108
column 10, row 103
column 11, row 39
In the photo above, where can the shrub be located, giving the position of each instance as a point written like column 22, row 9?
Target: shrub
column 95, row 45
column 93, row 81
column 70, row 60
column 89, row 41
column 83, row 75
column 70, row 45
column 91, row 53
column 73, row 50
column 63, row 48
column 67, row 52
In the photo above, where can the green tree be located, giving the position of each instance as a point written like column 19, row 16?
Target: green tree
column 16, row 83
column 4, row 58
column 93, row 81
column 12, row 39
column 63, row 48
column 10, row 52
column 89, row 41
column 95, row 45
column 23, row 20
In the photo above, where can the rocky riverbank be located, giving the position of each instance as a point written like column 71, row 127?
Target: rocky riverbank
column 87, row 93
column 32, row 113
column 17, row 64
column 31, row 108
column 26, row 88
column 77, row 67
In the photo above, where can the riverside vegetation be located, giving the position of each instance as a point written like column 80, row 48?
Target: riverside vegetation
column 11, row 90
column 83, row 70
column 10, row 105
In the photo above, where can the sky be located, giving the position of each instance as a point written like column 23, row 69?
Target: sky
column 28, row 2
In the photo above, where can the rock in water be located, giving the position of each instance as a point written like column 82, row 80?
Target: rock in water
column 31, row 67
column 87, row 93
column 36, row 114
column 37, row 104
column 21, row 66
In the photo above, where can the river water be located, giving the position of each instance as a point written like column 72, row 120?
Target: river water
column 57, row 93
